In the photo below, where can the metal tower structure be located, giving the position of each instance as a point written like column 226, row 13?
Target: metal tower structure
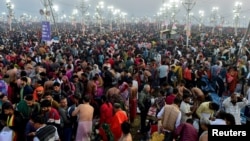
column 188, row 4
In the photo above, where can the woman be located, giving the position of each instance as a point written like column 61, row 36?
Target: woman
column 232, row 79
column 67, row 86
column 204, row 123
column 99, row 84
column 106, row 113
column 95, row 70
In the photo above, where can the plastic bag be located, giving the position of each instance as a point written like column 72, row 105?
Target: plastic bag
column 6, row 134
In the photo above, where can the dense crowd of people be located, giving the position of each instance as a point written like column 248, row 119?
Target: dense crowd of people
column 94, row 86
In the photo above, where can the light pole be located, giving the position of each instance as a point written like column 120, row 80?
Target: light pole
column 99, row 10
column 74, row 14
column 236, row 11
column 214, row 17
column 10, row 7
column 201, row 16
column 111, row 10
column 165, row 11
column 174, row 8
column 83, row 9
column 188, row 4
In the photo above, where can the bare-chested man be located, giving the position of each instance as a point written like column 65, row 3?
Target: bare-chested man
column 91, row 88
column 198, row 95
column 132, row 101
column 181, row 88
column 113, row 94
column 85, row 114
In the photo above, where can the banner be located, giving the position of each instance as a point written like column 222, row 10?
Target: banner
column 46, row 31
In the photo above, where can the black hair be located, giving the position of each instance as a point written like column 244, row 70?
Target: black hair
column 29, row 97
column 186, row 95
column 191, row 121
column 177, row 101
column 221, row 114
column 162, row 93
column 175, row 91
column 38, row 119
column 117, row 105
column 215, row 106
column 2, row 96
column 125, row 127
column 56, row 84
column 23, row 73
column 24, row 78
column 229, row 117
column 47, row 93
column 7, row 105
column 86, row 98
column 45, row 103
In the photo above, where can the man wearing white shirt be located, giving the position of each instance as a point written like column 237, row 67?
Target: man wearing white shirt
column 233, row 106
column 185, row 108
column 163, row 72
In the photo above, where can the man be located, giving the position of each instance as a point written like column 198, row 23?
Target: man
column 170, row 98
column 91, row 88
column 51, row 115
column 48, row 96
column 144, row 104
column 233, row 105
column 107, row 77
column 163, row 72
column 39, row 91
column 28, row 107
column 58, row 92
column 117, row 120
column 186, row 131
column 66, row 123
column 113, row 94
column 198, row 94
column 132, row 101
column 219, row 118
column 78, row 85
column 25, row 88
column 85, row 113
column 206, row 110
column 76, row 101
column 44, row 132
column 185, row 108
column 170, row 116
column 14, row 121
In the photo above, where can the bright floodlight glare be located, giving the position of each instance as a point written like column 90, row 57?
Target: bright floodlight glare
column 237, row 3
column 101, row 3
column 75, row 11
column 201, row 12
column 56, row 8
column 12, row 6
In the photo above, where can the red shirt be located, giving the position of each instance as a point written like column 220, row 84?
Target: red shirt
column 53, row 116
column 170, row 99
column 106, row 113
column 111, row 61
